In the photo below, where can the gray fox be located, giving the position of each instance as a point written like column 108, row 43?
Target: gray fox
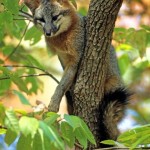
column 64, row 32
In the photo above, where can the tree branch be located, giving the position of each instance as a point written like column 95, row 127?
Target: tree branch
column 25, row 76
column 34, row 67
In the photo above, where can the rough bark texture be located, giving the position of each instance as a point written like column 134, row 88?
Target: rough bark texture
column 89, row 88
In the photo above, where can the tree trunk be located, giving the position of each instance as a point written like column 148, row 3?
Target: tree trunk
column 89, row 85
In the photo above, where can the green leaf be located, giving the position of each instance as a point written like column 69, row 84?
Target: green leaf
column 24, row 143
column 138, row 39
column 19, row 82
column 3, row 131
column 34, row 61
column 5, row 85
column 5, row 70
column 80, row 135
column 7, row 16
column 18, row 29
column 87, row 132
column 76, row 122
column 2, row 114
column 34, row 82
column 109, row 142
column 132, row 136
column 12, row 6
column 124, row 63
column 135, row 132
column 52, row 117
column 73, row 121
column 1, row 33
column 52, row 135
column 119, row 34
column 38, row 142
column 7, row 50
column 45, row 140
column 67, row 134
column 28, row 126
column 146, row 27
column 140, row 141
column 22, row 112
column 22, row 98
column 10, row 136
column 33, row 35
column 12, row 121
column 82, row 11
column 7, row 22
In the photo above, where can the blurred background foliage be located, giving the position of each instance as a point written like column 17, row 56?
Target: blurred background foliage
column 22, row 47
column 132, row 41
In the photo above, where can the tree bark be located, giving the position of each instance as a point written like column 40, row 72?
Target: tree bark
column 89, row 85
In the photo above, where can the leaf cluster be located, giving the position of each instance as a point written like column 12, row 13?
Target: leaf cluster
column 138, row 137
column 48, row 133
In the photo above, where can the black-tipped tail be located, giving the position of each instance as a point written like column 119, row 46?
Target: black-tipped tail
column 112, row 110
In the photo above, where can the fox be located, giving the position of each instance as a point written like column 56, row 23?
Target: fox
column 62, row 27
column 65, row 34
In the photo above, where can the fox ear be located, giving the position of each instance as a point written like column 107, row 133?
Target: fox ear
column 73, row 2
column 31, row 4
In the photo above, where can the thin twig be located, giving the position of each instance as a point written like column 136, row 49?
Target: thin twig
column 21, row 19
column 2, row 127
column 78, row 145
column 111, row 148
column 25, row 76
column 29, row 17
column 18, row 43
column 34, row 67
column 122, row 148
column 25, row 15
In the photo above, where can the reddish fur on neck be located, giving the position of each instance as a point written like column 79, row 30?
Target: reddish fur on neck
column 62, row 42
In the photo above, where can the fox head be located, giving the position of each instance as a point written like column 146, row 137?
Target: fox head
column 54, row 16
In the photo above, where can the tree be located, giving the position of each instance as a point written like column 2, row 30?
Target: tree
column 94, row 66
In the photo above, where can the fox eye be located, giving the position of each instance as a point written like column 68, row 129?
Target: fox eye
column 54, row 18
column 41, row 19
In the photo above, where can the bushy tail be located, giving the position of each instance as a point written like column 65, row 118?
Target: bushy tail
column 112, row 110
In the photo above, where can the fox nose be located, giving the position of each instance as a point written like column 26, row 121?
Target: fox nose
column 47, row 30
column 48, row 33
